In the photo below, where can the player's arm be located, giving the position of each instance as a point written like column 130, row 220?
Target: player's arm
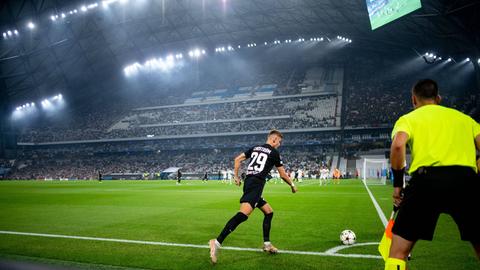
column 397, row 160
column 237, row 163
column 287, row 179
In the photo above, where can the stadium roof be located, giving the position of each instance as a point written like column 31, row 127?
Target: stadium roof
column 86, row 51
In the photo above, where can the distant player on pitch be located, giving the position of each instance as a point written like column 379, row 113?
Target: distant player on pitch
column 262, row 159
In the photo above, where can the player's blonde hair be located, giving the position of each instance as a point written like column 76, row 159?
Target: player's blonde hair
column 276, row 133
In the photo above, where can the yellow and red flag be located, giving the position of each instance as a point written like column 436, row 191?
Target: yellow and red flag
column 386, row 242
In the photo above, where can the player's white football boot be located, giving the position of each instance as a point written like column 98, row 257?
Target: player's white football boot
column 213, row 250
column 270, row 248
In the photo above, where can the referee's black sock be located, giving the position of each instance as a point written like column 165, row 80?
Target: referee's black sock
column 267, row 224
column 231, row 225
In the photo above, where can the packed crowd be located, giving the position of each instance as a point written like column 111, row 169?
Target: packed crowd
column 230, row 110
column 379, row 100
column 69, row 165
column 374, row 102
column 298, row 113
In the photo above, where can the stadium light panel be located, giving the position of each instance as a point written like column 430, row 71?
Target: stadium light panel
column 5, row 35
column 468, row 59
column 83, row 8
column 9, row 33
column 31, row 25
column 15, row 32
column 75, row 11
column 53, row 18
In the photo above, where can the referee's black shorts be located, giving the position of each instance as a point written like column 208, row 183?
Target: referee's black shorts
column 435, row 190
column 252, row 192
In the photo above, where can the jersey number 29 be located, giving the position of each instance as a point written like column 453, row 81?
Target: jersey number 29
column 258, row 162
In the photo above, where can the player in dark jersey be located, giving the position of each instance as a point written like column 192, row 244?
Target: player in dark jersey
column 205, row 177
column 262, row 159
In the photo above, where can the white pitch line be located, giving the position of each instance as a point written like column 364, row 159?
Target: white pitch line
column 332, row 254
column 338, row 248
column 380, row 213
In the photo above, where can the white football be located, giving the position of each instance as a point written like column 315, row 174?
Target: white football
column 347, row 237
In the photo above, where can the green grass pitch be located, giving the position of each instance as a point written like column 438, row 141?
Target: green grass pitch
column 195, row 212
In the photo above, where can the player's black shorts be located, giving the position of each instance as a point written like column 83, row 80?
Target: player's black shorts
column 435, row 190
column 252, row 192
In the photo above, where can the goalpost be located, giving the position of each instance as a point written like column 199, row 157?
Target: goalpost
column 375, row 171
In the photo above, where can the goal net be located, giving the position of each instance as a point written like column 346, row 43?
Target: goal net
column 375, row 171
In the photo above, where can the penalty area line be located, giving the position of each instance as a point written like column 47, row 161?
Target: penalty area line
column 330, row 254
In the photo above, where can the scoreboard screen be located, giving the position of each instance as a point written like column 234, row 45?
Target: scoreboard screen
column 382, row 12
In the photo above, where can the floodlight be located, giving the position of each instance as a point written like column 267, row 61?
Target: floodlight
column 31, row 25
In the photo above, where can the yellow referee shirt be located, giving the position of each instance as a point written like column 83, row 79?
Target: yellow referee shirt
column 439, row 136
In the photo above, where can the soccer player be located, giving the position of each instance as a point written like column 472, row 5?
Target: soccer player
column 443, row 169
column 262, row 159
column 205, row 177
column 336, row 176
column 179, row 177
column 323, row 176
column 300, row 175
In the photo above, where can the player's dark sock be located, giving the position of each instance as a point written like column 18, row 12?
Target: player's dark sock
column 231, row 225
column 267, row 224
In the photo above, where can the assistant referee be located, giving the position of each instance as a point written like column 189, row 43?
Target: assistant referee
column 444, row 169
